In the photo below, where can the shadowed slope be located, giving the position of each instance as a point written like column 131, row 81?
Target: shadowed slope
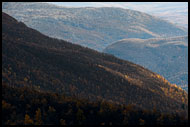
column 46, row 64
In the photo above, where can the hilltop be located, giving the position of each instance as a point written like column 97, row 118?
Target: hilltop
column 95, row 28
column 165, row 56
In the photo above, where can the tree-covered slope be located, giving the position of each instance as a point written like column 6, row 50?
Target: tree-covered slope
column 92, row 27
column 34, row 60
column 165, row 56
column 25, row 106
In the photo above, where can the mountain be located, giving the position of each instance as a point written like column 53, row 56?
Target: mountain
column 175, row 12
column 165, row 56
column 33, row 62
column 95, row 28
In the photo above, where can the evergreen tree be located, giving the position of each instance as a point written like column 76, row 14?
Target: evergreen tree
column 38, row 117
column 28, row 120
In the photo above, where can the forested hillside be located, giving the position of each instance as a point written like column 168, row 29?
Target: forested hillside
column 30, row 107
column 36, row 67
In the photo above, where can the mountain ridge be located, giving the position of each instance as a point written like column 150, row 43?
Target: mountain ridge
column 166, row 56
column 95, row 28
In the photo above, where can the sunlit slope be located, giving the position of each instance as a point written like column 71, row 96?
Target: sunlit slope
column 92, row 27
column 166, row 56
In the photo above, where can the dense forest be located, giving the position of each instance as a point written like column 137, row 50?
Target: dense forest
column 51, row 81
column 30, row 107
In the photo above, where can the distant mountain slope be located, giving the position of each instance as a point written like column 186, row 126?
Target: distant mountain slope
column 165, row 56
column 34, row 60
column 92, row 27
column 175, row 12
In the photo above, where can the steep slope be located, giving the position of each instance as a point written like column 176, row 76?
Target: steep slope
column 165, row 56
column 34, row 60
column 92, row 27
